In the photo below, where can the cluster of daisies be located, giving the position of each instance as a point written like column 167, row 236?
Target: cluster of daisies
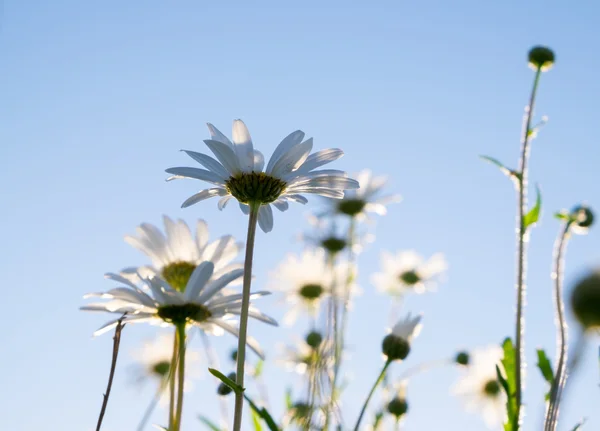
column 195, row 285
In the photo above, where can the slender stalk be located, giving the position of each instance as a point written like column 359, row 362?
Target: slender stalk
column 213, row 362
column 111, row 375
column 180, row 375
column 151, row 406
column 172, row 379
column 561, row 329
column 332, row 333
column 241, row 351
column 521, row 180
column 377, row 382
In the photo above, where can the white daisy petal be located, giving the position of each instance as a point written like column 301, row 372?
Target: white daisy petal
column 288, row 142
column 198, row 280
column 216, row 285
column 292, row 159
column 265, row 218
column 259, row 161
column 223, row 202
column 198, row 174
column 203, row 195
column 225, row 155
column 320, row 158
column 201, row 234
column 281, row 205
column 242, row 144
column 245, row 208
column 216, row 135
column 209, row 163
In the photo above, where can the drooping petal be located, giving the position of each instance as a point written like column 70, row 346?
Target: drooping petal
column 281, row 205
column 245, row 208
column 265, row 218
column 288, row 142
column 292, row 159
column 202, row 195
column 209, row 163
column 242, row 143
column 198, row 174
column 223, row 202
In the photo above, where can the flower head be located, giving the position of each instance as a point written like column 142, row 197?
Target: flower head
column 367, row 199
column 198, row 304
column 396, row 345
column 305, row 281
column 583, row 218
column 541, row 57
column 238, row 173
column 585, row 301
column 326, row 234
column 307, row 354
column 480, row 388
column 408, row 272
column 176, row 253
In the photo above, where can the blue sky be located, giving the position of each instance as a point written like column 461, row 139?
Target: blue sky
column 98, row 99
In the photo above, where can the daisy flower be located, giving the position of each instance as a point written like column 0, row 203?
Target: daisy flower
column 153, row 362
column 325, row 234
column 238, row 173
column 311, row 352
column 408, row 272
column 305, row 281
column 367, row 199
column 199, row 304
column 396, row 345
column 480, row 388
column 176, row 253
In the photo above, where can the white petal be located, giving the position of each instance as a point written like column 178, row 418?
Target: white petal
column 251, row 342
column 223, row 202
column 201, row 234
column 281, row 205
column 288, row 142
column 202, row 195
column 225, row 155
column 242, row 144
column 216, row 285
column 293, row 177
column 198, row 280
column 179, row 240
column 216, row 135
column 254, row 313
column 209, row 163
column 321, row 191
column 265, row 218
column 225, row 248
column 198, row 174
column 320, row 158
column 296, row 198
column 292, row 159
column 245, row 208
column 332, row 182
column 234, row 299
column 120, row 279
column 259, row 161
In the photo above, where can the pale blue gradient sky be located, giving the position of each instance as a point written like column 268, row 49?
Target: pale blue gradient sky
column 96, row 99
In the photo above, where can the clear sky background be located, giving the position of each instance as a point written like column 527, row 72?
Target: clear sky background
column 97, row 98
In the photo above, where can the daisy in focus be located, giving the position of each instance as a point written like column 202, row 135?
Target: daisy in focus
column 480, row 388
column 199, row 304
column 237, row 173
column 367, row 199
column 306, row 280
column 176, row 253
column 407, row 272
column 153, row 363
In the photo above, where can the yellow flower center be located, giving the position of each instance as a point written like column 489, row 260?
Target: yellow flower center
column 177, row 274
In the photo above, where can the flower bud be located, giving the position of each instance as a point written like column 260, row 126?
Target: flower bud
column 541, row 58
column 314, row 339
column 397, row 407
column 583, row 218
column 233, row 355
column 462, row 358
column 395, row 348
column 585, row 301
column 223, row 389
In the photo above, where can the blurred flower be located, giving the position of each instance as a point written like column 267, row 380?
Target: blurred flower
column 306, row 280
column 198, row 305
column 325, row 234
column 396, row 345
column 153, row 362
column 358, row 203
column 407, row 272
column 238, row 173
column 175, row 256
column 585, row 300
column 480, row 388
column 301, row 356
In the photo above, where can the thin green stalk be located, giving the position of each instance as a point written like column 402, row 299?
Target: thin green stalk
column 332, row 332
column 521, row 179
column 561, row 344
column 111, row 375
column 377, row 382
column 172, row 379
column 241, row 351
column 180, row 374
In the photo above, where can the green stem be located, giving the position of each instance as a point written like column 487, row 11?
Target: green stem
column 332, row 332
column 172, row 379
column 180, row 374
column 377, row 382
column 241, row 351
column 561, row 375
column 521, row 253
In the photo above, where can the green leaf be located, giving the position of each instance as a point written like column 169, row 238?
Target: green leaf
column 503, row 169
column 211, row 425
column 263, row 413
column 534, row 213
column 509, row 383
column 545, row 368
column 256, row 421
column 259, row 368
column 226, row 380
column 562, row 215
